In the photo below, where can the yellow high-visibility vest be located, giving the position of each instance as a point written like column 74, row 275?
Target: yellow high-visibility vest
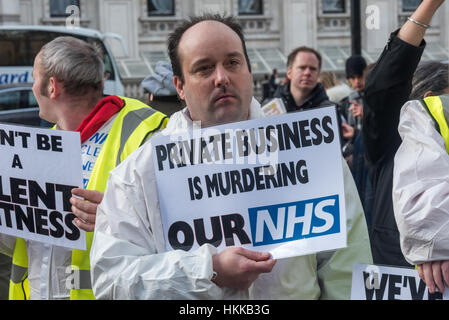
column 438, row 108
column 134, row 124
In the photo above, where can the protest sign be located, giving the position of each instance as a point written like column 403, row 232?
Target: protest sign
column 273, row 184
column 38, row 170
column 274, row 108
column 371, row 282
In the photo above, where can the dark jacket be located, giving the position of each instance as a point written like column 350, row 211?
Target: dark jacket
column 388, row 87
column 318, row 98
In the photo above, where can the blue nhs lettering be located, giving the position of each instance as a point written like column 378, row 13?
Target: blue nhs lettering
column 294, row 221
column 90, row 151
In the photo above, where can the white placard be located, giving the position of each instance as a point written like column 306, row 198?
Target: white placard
column 38, row 169
column 274, row 107
column 212, row 187
column 371, row 282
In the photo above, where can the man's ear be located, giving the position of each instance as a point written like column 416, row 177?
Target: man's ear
column 428, row 94
column 179, row 85
column 54, row 88
column 289, row 72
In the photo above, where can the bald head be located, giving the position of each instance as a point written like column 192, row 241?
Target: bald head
column 175, row 38
column 214, row 77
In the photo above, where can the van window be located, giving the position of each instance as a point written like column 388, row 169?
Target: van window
column 20, row 47
column 17, row 99
column 58, row 7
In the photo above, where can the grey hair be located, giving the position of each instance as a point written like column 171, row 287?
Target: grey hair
column 75, row 63
column 430, row 76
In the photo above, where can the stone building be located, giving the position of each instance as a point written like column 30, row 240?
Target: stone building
column 272, row 27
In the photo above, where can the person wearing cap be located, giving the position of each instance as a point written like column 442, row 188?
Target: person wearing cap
column 352, row 105
column 162, row 93
column 352, row 108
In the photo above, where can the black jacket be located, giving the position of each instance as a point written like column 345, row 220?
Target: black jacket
column 318, row 98
column 388, row 87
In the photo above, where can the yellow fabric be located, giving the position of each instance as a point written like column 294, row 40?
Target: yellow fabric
column 435, row 106
column 105, row 163
column 21, row 289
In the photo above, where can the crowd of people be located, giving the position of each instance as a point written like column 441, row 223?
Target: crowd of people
column 395, row 180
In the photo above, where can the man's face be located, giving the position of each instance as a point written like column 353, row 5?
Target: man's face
column 304, row 71
column 357, row 82
column 40, row 90
column 217, row 86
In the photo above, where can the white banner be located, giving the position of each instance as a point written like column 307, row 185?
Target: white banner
column 38, row 170
column 272, row 184
column 371, row 282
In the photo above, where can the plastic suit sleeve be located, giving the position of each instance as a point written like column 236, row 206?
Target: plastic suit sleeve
column 334, row 268
column 127, row 258
column 421, row 187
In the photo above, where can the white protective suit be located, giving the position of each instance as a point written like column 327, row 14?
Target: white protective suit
column 421, row 187
column 129, row 258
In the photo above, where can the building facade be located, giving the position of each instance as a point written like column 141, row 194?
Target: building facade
column 272, row 27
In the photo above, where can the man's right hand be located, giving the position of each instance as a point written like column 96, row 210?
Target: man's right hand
column 238, row 268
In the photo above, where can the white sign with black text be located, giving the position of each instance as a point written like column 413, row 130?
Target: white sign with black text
column 371, row 282
column 273, row 184
column 38, row 169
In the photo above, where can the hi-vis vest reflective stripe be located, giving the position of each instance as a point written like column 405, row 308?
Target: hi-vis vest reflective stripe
column 134, row 124
column 438, row 108
column 18, row 285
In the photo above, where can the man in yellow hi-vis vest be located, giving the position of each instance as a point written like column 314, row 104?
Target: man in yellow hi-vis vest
column 421, row 176
column 68, row 86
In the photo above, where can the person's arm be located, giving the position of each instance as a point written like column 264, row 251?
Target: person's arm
column 412, row 32
column 389, row 84
column 421, row 188
column 129, row 259
column 420, row 196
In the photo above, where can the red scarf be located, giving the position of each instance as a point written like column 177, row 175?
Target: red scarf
column 102, row 112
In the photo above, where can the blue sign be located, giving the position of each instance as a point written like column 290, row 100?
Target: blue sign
column 294, row 221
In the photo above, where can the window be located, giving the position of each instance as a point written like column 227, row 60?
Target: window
column 9, row 100
column 410, row 5
column 250, row 7
column 334, row 6
column 58, row 7
column 161, row 7
column 22, row 47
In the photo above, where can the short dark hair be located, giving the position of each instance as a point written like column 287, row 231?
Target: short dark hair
column 175, row 37
column 292, row 56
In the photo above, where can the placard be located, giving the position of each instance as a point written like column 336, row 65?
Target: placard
column 273, row 184
column 38, row 169
column 371, row 282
